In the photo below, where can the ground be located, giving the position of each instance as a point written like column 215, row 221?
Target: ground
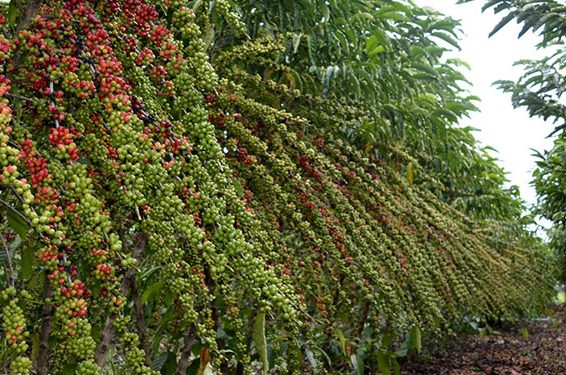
column 510, row 350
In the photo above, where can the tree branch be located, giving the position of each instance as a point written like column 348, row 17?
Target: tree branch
column 29, row 13
column 16, row 96
column 42, row 365
column 129, row 278
column 18, row 213
column 8, row 266
column 186, row 352
column 105, row 340
column 140, row 320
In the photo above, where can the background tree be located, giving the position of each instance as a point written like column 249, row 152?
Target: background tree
column 540, row 91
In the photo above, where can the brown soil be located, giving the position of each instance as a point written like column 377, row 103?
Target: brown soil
column 505, row 351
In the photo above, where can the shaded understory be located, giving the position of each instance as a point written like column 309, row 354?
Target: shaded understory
column 506, row 350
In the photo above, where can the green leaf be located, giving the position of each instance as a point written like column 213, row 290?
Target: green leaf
column 17, row 224
column 342, row 40
column 170, row 365
column 296, row 41
column 159, row 361
column 35, row 341
column 397, row 17
column 383, row 363
column 13, row 13
column 372, row 43
column 330, row 71
column 447, row 38
column 410, row 173
column 396, row 366
column 69, row 367
column 196, row 4
column 502, row 23
column 208, row 37
column 525, row 333
column 312, row 48
column 342, row 341
column 193, row 368
column 387, row 341
column 312, row 360
column 393, row 8
column 376, row 50
column 415, row 343
column 260, row 340
column 325, row 12
column 28, row 260
column 357, row 361
column 150, row 291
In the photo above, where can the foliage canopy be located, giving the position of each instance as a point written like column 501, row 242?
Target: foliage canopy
column 540, row 91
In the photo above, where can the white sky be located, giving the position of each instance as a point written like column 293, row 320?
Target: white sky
column 508, row 130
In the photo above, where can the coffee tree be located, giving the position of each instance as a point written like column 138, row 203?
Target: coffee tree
column 539, row 91
column 173, row 202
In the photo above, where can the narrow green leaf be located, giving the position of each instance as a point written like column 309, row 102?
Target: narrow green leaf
column 193, row 368
column 312, row 360
column 261, row 341
column 489, row 4
column 312, row 48
column 371, row 43
column 28, row 260
column 342, row 341
column 13, row 13
column 196, row 4
column 159, row 361
column 376, row 50
column 448, row 39
column 360, row 364
column 415, row 343
column 208, row 37
column 325, row 12
column 296, row 41
column 502, row 23
column 395, row 366
column 383, row 363
column 170, row 365
column 410, row 173
column 17, row 224
column 150, row 291
column 387, row 341
column 525, row 333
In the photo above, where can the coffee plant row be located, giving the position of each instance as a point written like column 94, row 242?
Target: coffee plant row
column 182, row 192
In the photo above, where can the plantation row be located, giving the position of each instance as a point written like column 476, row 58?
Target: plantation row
column 190, row 185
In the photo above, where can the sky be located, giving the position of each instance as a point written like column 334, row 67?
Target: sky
column 510, row 131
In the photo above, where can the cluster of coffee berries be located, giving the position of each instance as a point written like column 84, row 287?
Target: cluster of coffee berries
column 14, row 330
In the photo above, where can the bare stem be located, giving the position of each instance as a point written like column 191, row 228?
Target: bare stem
column 140, row 320
column 29, row 13
column 16, row 96
column 42, row 364
column 13, row 209
column 105, row 340
column 126, row 286
column 8, row 265
column 186, row 352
